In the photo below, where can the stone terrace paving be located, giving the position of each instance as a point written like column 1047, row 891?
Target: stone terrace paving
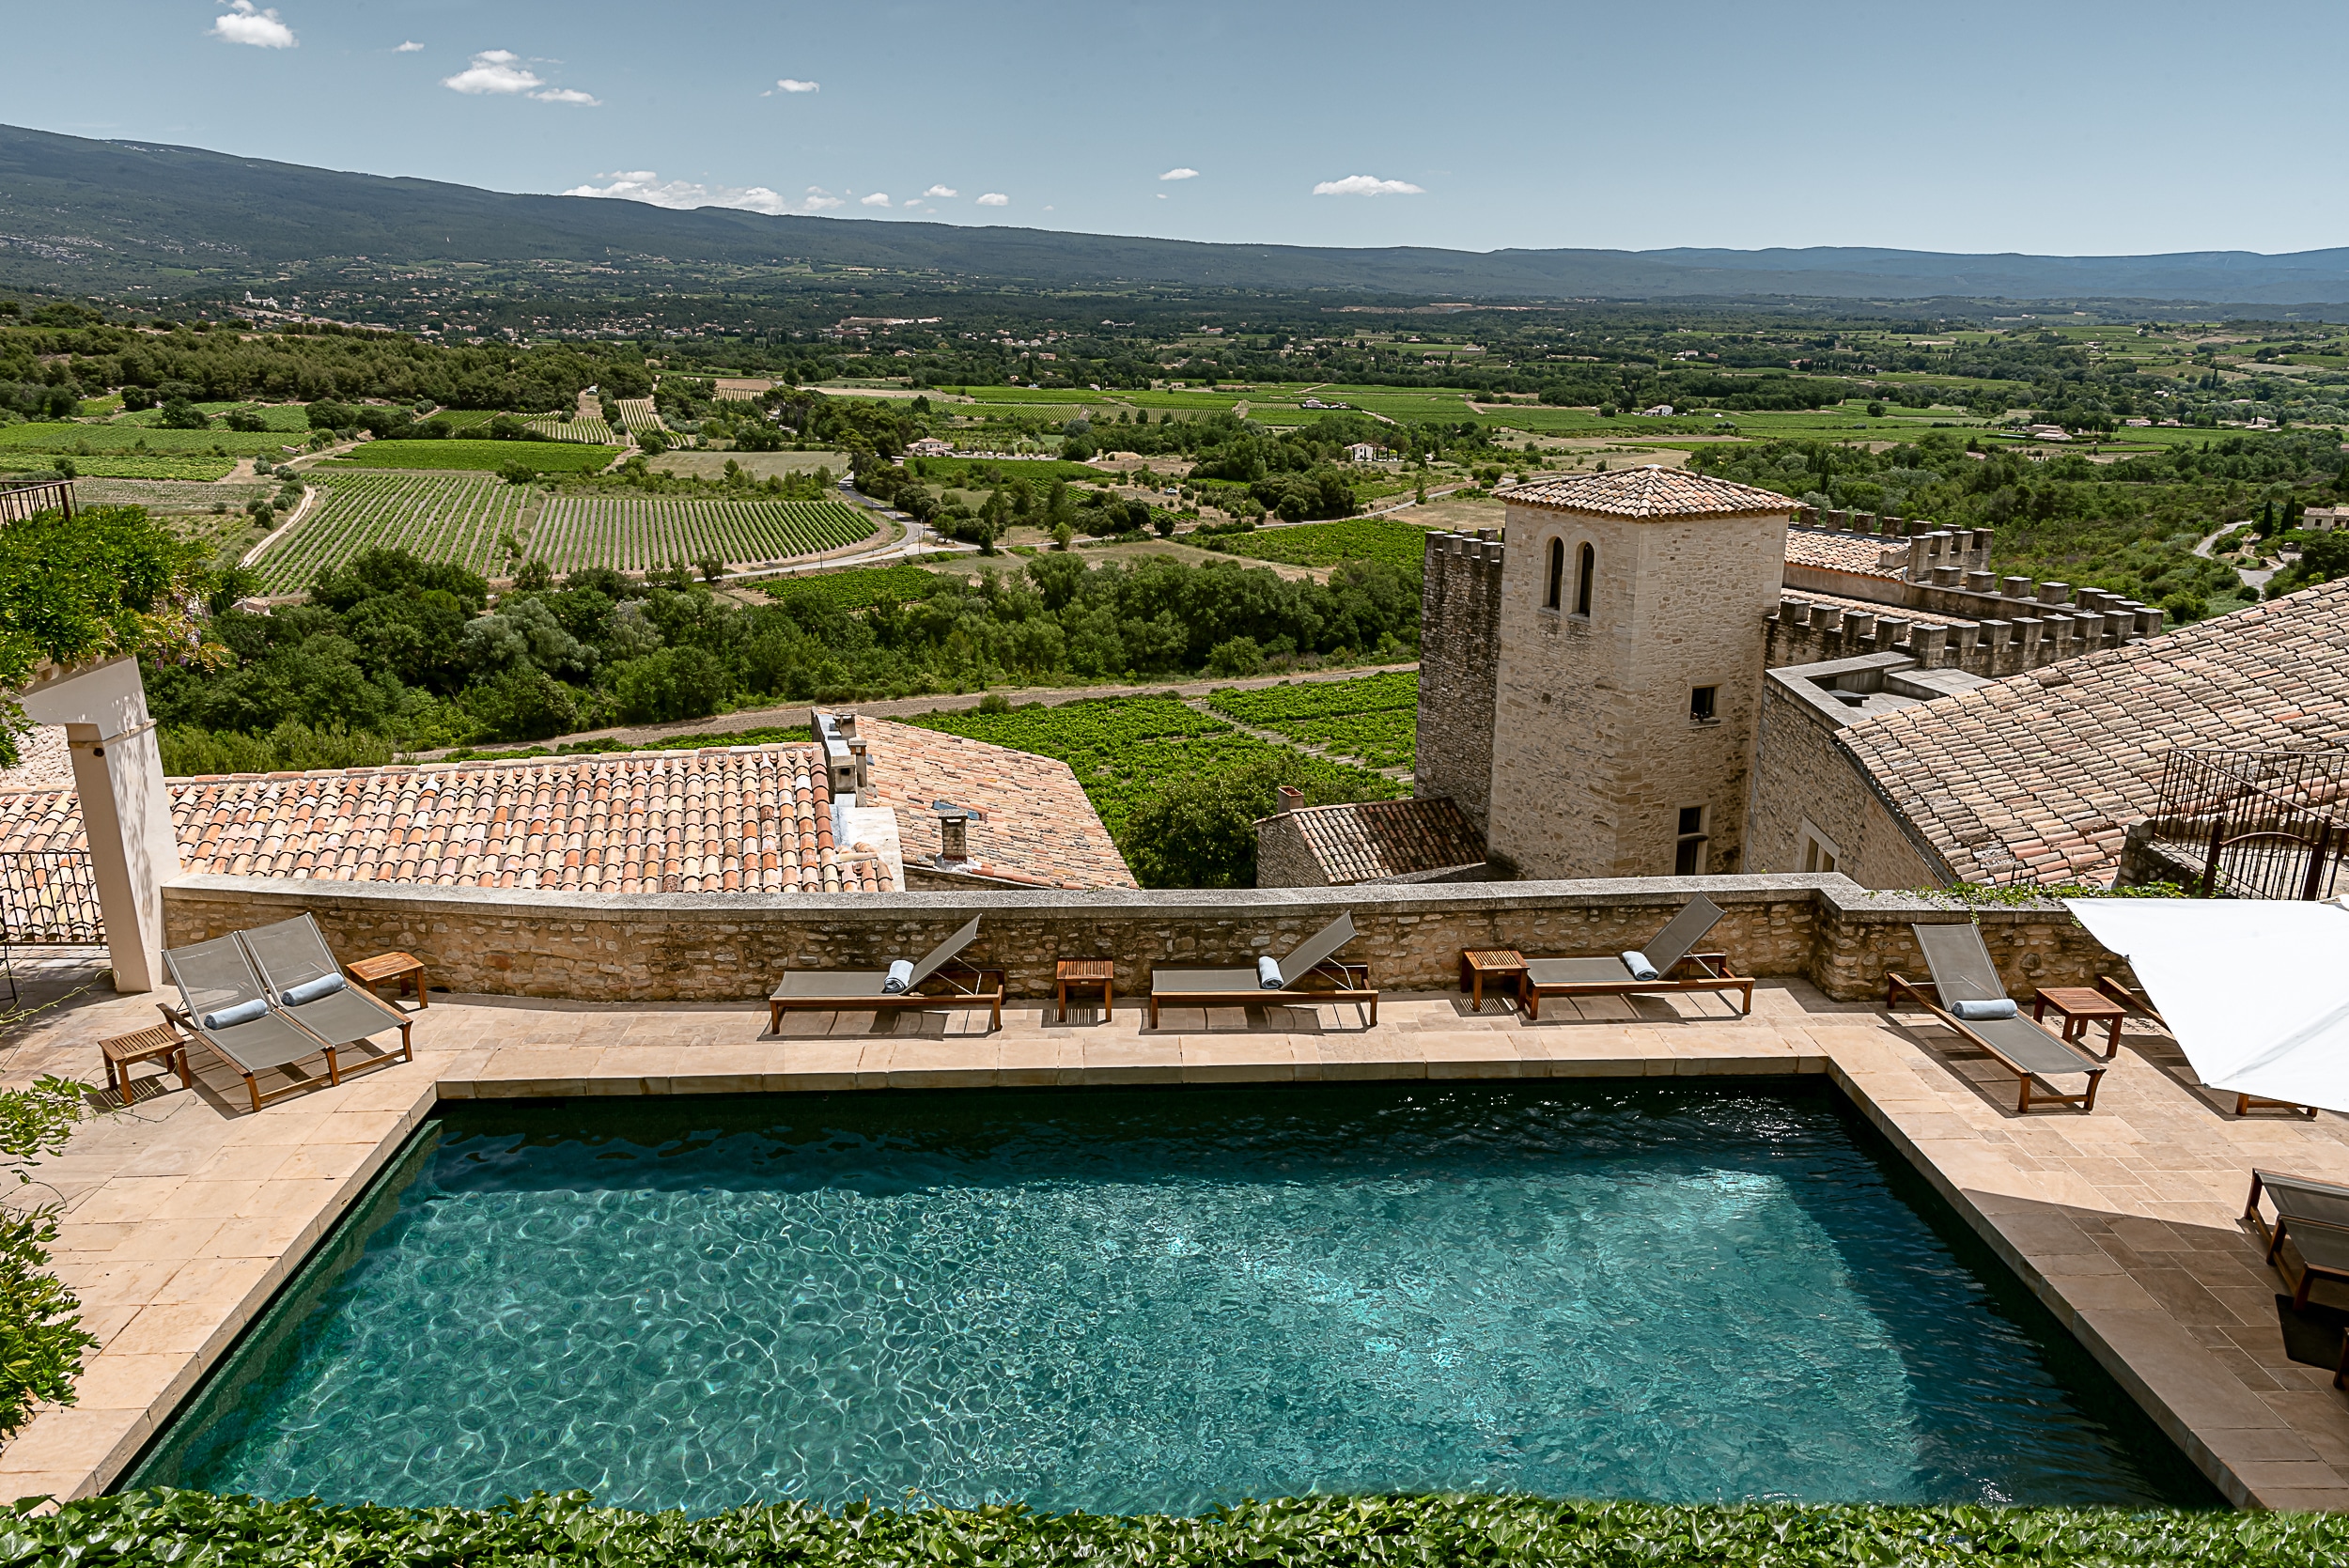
column 186, row 1211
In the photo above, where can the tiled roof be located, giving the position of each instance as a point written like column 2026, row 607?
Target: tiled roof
column 1873, row 607
column 2035, row 778
column 745, row 820
column 1851, row 553
column 1372, row 840
column 1032, row 822
column 1651, row 492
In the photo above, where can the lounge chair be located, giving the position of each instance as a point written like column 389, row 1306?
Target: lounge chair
column 1668, row 952
column 2315, row 1215
column 226, row 1004
column 2243, row 1104
column 303, row 980
column 1964, row 973
column 1315, row 957
column 867, row 990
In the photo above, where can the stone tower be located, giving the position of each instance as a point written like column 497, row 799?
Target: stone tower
column 1631, row 641
column 1459, row 621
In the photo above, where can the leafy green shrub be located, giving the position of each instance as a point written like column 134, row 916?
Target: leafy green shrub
column 1441, row 1531
column 292, row 747
column 41, row 1337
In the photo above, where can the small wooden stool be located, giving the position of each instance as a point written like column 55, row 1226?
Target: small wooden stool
column 2078, row 1007
column 400, row 969
column 1478, row 965
column 155, row 1043
column 1088, row 972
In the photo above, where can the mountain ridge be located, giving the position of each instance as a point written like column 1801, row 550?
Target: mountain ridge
column 77, row 214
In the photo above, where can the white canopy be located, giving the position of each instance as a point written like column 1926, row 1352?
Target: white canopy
column 2256, row 991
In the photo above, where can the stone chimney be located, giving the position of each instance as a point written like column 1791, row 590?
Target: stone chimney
column 1290, row 799
column 953, row 833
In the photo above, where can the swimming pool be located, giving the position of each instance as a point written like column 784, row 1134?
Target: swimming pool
column 1150, row 1302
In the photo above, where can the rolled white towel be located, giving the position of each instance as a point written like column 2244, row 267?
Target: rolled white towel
column 1268, row 973
column 1639, row 966
column 229, row 1017
column 900, row 976
column 310, row 990
column 1975, row 1012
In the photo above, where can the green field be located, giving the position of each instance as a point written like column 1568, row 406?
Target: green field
column 281, row 418
column 97, row 438
column 465, row 519
column 1123, row 749
column 123, row 465
column 1374, row 720
column 1325, row 544
column 858, row 588
column 968, row 471
column 639, row 534
column 547, row 456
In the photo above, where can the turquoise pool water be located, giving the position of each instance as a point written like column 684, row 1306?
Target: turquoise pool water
column 1158, row 1301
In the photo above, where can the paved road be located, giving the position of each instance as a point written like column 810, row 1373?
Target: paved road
column 2256, row 579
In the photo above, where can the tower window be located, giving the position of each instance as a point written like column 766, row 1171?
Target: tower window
column 1585, row 570
column 1557, row 574
column 1688, row 853
column 1700, row 704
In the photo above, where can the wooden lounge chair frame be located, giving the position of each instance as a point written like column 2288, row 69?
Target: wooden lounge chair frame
column 859, row 990
column 2243, row 1104
column 1668, row 949
column 293, row 951
column 2329, row 1228
column 290, row 1040
column 1238, row 988
column 2060, row 1058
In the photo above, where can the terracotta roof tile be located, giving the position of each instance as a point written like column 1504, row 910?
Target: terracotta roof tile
column 1033, row 822
column 2035, row 778
column 1847, row 552
column 1651, row 492
column 1372, row 840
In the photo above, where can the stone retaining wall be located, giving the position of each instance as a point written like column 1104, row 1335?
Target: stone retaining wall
column 683, row 947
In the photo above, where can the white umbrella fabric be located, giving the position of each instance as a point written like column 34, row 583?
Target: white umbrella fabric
column 2256, row 991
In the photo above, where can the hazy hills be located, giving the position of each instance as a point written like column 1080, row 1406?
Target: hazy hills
column 91, row 216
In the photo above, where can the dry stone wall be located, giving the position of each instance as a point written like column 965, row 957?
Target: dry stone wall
column 1459, row 644
column 684, row 947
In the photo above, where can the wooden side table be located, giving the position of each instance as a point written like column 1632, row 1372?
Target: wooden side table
column 397, row 969
column 1478, row 965
column 2079, row 1006
column 1088, row 972
column 156, row 1043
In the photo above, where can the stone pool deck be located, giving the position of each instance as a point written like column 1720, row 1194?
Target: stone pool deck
column 184, row 1211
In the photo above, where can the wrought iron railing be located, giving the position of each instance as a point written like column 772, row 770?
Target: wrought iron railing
column 49, row 898
column 2258, row 824
column 19, row 501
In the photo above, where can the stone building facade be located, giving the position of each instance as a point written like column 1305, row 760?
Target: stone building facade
column 1459, row 649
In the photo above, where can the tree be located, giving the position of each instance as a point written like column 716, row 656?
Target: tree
column 1199, row 830
column 181, row 414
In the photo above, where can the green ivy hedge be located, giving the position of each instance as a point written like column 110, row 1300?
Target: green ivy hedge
column 201, row 1530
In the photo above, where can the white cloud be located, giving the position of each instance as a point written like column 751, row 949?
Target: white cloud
column 1161, row 196
column 683, row 194
column 878, row 198
column 1181, row 174
column 942, row 190
column 1367, row 185
column 792, row 85
column 500, row 72
column 411, row 47
column 244, row 22
column 995, row 198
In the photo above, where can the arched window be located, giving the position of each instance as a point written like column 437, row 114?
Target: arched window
column 1583, row 573
column 1557, row 574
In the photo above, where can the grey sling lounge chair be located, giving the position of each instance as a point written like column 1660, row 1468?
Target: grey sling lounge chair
column 1668, row 951
column 2315, row 1215
column 1314, row 957
column 1963, row 972
column 225, row 1004
column 293, row 960
column 864, row 990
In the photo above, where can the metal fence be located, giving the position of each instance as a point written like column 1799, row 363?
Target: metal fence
column 49, row 898
column 19, row 500
column 2260, row 824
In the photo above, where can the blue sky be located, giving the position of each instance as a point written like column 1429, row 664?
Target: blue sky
column 2073, row 128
